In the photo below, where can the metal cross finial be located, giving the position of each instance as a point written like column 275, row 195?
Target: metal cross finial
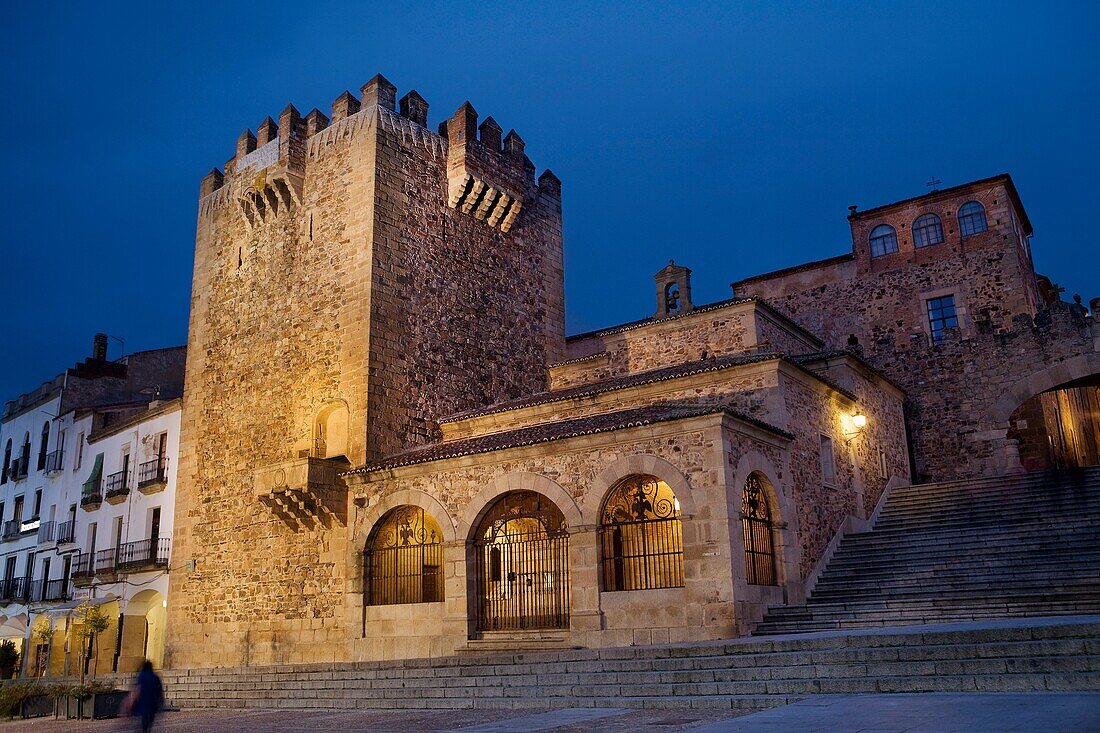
column 933, row 183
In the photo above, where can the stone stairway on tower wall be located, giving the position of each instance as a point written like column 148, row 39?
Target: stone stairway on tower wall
column 1013, row 546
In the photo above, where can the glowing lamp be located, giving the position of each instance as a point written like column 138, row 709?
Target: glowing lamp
column 859, row 420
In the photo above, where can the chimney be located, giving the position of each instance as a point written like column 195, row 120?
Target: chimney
column 99, row 347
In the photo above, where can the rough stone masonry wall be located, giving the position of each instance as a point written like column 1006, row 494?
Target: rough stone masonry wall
column 950, row 388
column 370, row 291
column 690, row 451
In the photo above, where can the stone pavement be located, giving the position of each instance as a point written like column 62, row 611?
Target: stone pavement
column 1070, row 712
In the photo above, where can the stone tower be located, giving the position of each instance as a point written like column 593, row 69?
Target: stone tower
column 355, row 279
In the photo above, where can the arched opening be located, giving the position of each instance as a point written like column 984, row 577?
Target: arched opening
column 330, row 432
column 641, row 536
column 142, row 634
column 1059, row 428
column 757, row 527
column 403, row 560
column 521, row 558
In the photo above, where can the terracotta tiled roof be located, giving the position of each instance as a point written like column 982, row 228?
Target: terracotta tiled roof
column 608, row 385
column 548, row 432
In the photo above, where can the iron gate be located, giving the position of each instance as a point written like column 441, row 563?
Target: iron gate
column 522, row 556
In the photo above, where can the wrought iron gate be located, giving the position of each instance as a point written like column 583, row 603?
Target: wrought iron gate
column 522, row 556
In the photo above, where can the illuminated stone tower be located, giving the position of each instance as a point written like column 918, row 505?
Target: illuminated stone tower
column 355, row 279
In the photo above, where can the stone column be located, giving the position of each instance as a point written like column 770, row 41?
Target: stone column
column 585, row 617
column 460, row 606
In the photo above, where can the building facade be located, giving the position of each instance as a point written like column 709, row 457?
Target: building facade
column 93, row 533
column 390, row 449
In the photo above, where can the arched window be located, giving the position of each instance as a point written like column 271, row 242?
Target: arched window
column 884, row 240
column 756, row 522
column 43, row 446
column 972, row 218
column 641, row 536
column 330, row 432
column 404, row 559
column 927, row 230
column 7, row 462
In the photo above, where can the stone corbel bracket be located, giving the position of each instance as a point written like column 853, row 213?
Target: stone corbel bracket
column 488, row 203
column 303, row 493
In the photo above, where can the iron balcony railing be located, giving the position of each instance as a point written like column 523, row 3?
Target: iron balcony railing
column 105, row 561
column 55, row 461
column 66, row 532
column 93, row 497
column 19, row 466
column 13, row 589
column 84, row 566
column 115, row 485
column 46, row 532
column 152, row 472
column 144, row 554
column 42, row 590
column 12, row 529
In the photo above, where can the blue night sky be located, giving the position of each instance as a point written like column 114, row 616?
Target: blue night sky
column 729, row 136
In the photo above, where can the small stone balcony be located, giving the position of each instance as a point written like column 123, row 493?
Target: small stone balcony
column 116, row 487
column 304, row 493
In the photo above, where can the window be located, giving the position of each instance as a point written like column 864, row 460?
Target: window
column 7, row 462
column 828, row 461
column 883, row 466
column 941, row 315
column 927, row 230
column 757, row 526
column 884, row 240
column 641, row 536
column 43, row 446
column 404, row 558
column 79, row 450
column 37, row 504
column 972, row 218
column 17, row 515
column 330, row 431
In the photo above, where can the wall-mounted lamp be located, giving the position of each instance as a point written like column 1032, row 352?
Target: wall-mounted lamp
column 859, row 422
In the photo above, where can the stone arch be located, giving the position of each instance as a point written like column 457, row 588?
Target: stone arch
column 1041, row 380
column 517, row 481
column 141, row 641
column 643, row 464
column 405, row 497
column 329, row 430
column 783, row 516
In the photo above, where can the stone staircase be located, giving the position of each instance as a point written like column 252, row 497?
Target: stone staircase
column 1026, row 545
column 742, row 675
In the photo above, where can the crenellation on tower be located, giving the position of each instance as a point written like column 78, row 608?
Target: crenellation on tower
column 211, row 182
column 379, row 92
column 246, row 143
column 489, row 133
column 414, row 108
column 315, row 122
column 344, row 106
column 266, row 132
column 514, row 145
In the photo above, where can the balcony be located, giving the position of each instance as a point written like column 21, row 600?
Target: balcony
column 45, row 591
column 83, row 568
column 55, row 461
column 12, row 529
column 142, row 555
column 18, row 469
column 92, row 499
column 105, row 563
column 66, row 532
column 47, row 531
column 13, row 589
column 115, row 487
column 153, row 476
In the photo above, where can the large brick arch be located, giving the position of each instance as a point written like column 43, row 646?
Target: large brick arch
column 634, row 465
column 1077, row 367
column 517, row 481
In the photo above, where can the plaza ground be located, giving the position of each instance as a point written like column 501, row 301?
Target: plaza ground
column 1070, row 712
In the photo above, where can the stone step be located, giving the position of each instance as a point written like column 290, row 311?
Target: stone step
column 848, row 621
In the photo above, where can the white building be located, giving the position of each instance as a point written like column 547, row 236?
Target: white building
column 90, row 520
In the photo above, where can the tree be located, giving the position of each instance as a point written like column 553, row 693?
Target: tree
column 89, row 622
column 42, row 633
